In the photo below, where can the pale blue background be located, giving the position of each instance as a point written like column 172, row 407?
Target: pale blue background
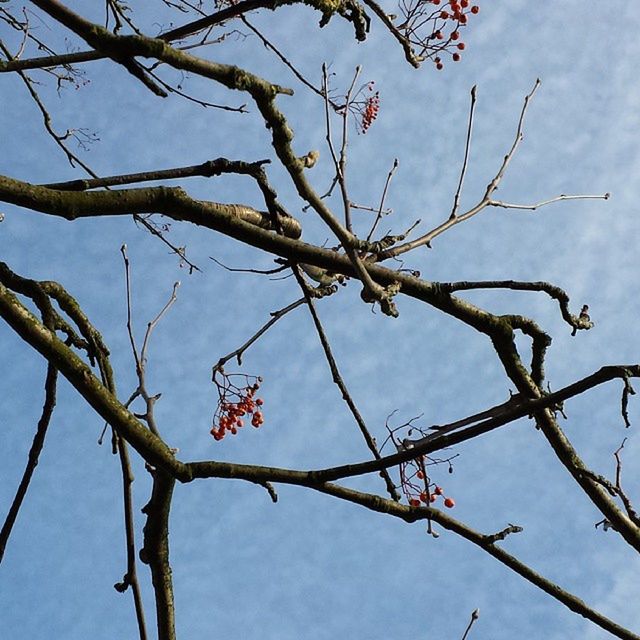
column 311, row 567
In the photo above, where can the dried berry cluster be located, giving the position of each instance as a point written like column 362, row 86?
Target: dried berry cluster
column 234, row 404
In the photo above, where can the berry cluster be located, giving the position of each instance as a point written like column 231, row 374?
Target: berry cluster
column 430, row 496
column 370, row 111
column 234, row 404
column 415, row 483
column 445, row 19
column 456, row 16
column 364, row 106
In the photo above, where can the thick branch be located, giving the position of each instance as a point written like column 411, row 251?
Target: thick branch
column 207, row 169
column 155, row 552
column 170, row 201
column 553, row 291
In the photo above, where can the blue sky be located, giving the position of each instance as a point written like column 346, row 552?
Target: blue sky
column 310, row 566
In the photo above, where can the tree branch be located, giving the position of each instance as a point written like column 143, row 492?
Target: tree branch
column 34, row 455
column 339, row 382
column 155, row 551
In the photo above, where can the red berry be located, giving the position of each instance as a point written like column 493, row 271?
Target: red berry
column 420, row 475
column 257, row 419
column 444, row 15
column 449, row 503
column 455, row 35
column 475, row 9
column 259, row 401
column 439, row 66
column 456, row 57
column 438, row 491
column 460, row 46
column 414, row 502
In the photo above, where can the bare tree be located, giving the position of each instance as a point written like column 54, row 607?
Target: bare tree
column 403, row 454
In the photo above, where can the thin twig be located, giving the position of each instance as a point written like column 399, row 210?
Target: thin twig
column 132, row 341
column 286, row 62
column 238, row 353
column 537, row 205
column 264, row 272
column 337, row 378
column 366, row 207
column 203, row 103
column 329, row 136
column 381, row 211
column 467, row 146
column 627, row 390
column 475, row 614
column 626, row 501
column 155, row 550
column 34, row 455
column 179, row 251
column 342, row 162
column 131, row 576
column 618, row 457
column 152, row 325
